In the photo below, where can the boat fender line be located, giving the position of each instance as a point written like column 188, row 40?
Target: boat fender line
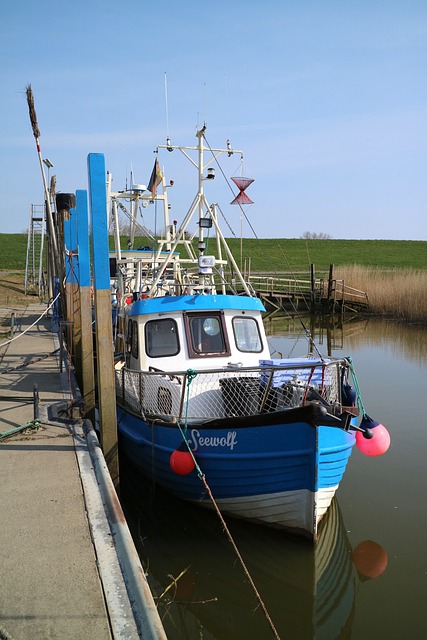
column 191, row 374
column 367, row 432
column 370, row 429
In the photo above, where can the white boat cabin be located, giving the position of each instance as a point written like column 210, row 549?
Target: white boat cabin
column 175, row 333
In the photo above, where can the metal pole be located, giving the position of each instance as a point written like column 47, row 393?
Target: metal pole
column 36, row 133
column 36, row 401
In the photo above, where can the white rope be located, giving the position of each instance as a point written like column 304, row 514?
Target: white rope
column 4, row 344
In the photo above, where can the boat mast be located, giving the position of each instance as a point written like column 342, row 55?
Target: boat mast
column 201, row 196
column 199, row 202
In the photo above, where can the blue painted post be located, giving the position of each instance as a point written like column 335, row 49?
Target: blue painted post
column 103, row 321
column 87, row 382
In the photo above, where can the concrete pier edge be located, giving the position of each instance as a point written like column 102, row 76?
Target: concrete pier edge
column 71, row 565
column 133, row 612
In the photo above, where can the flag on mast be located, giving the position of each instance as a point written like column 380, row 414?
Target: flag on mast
column 156, row 178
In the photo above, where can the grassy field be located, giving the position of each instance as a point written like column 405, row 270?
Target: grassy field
column 13, row 251
column 297, row 255
column 393, row 273
column 278, row 255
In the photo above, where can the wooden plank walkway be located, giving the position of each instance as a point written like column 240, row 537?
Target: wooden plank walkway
column 326, row 295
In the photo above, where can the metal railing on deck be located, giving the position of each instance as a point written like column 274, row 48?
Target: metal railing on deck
column 234, row 392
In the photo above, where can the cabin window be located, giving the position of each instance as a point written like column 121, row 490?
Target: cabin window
column 161, row 338
column 206, row 334
column 246, row 334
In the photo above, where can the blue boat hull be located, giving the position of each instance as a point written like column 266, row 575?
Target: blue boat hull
column 284, row 475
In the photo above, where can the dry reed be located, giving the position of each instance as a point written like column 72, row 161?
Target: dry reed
column 399, row 293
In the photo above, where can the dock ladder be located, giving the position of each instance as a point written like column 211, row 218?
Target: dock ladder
column 34, row 274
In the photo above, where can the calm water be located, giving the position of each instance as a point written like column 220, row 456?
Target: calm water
column 311, row 593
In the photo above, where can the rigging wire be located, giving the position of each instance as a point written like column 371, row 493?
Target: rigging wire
column 142, row 228
column 307, row 332
column 167, row 107
column 227, row 103
column 226, row 221
column 292, row 273
column 308, row 253
column 230, row 187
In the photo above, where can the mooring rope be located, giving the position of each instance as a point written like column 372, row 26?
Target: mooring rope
column 19, row 335
column 242, row 562
column 32, row 424
column 26, row 364
column 191, row 375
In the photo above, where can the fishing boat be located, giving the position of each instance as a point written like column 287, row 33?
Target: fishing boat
column 202, row 406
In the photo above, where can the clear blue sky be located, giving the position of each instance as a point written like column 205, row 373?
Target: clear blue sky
column 327, row 98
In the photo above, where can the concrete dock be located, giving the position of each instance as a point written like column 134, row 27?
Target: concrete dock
column 68, row 565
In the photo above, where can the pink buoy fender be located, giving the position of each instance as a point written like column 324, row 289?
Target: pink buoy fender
column 372, row 438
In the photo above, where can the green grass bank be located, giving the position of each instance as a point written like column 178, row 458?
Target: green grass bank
column 392, row 272
column 278, row 255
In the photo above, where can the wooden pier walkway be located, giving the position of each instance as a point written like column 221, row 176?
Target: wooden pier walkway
column 323, row 294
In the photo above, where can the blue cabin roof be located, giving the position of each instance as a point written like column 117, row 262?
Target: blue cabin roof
column 199, row 302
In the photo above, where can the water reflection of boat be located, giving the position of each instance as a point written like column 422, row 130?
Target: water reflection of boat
column 309, row 591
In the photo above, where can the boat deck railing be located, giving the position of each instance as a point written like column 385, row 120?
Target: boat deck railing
column 229, row 392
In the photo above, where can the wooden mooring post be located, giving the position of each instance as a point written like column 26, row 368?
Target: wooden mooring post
column 68, row 239
column 79, row 307
column 87, row 375
column 330, row 284
column 103, row 317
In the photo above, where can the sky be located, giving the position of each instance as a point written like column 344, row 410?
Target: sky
column 326, row 98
